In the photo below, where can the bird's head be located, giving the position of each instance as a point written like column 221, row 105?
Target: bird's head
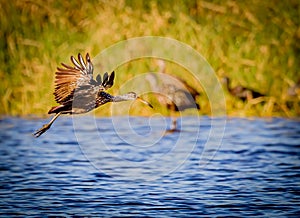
column 162, row 65
column 225, row 81
column 131, row 95
column 134, row 96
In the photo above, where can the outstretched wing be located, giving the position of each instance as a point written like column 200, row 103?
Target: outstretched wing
column 107, row 81
column 69, row 78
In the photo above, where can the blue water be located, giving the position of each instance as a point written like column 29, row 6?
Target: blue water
column 127, row 167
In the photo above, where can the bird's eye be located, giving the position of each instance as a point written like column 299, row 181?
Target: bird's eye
column 133, row 94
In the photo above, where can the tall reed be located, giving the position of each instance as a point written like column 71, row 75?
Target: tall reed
column 255, row 43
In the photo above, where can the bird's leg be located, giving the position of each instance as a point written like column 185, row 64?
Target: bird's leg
column 46, row 126
column 173, row 127
column 174, row 123
column 249, row 95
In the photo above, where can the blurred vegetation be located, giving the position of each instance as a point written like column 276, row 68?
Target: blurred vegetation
column 255, row 43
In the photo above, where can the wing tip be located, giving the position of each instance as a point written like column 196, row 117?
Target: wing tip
column 87, row 57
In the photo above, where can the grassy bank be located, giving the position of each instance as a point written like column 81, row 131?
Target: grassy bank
column 255, row 43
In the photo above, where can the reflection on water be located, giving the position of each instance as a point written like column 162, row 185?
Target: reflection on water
column 98, row 169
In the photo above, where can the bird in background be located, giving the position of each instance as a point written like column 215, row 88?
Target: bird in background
column 77, row 92
column 293, row 96
column 294, row 90
column 241, row 92
column 172, row 92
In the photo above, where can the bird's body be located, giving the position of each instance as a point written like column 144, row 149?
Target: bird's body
column 77, row 92
column 172, row 92
column 241, row 92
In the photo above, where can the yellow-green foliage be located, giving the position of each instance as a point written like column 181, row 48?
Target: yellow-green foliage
column 256, row 43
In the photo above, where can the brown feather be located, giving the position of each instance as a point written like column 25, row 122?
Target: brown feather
column 67, row 79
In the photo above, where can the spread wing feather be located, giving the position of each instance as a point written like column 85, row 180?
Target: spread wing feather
column 108, row 81
column 69, row 78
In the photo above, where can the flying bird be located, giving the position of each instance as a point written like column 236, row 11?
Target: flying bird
column 241, row 92
column 77, row 92
column 172, row 92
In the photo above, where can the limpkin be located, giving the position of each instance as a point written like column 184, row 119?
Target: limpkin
column 294, row 90
column 172, row 92
column 241, row 92
column 77, row 92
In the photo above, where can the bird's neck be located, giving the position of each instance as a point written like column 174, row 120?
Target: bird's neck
column 162, row 66
column 227, row 85
column 119, row 98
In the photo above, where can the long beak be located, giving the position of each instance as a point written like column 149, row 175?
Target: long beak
column 145, row 102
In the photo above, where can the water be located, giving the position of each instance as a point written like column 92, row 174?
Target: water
column 96, row 167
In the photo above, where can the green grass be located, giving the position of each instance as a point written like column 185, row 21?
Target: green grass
column 256, row 43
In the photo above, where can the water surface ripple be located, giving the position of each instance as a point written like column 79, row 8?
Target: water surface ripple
column 256, row 171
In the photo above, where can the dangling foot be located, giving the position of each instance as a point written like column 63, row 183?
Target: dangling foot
column 173, row 127
column 46, row 126
column 42, row 130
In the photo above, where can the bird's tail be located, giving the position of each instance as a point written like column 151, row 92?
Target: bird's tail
column 55, row 109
